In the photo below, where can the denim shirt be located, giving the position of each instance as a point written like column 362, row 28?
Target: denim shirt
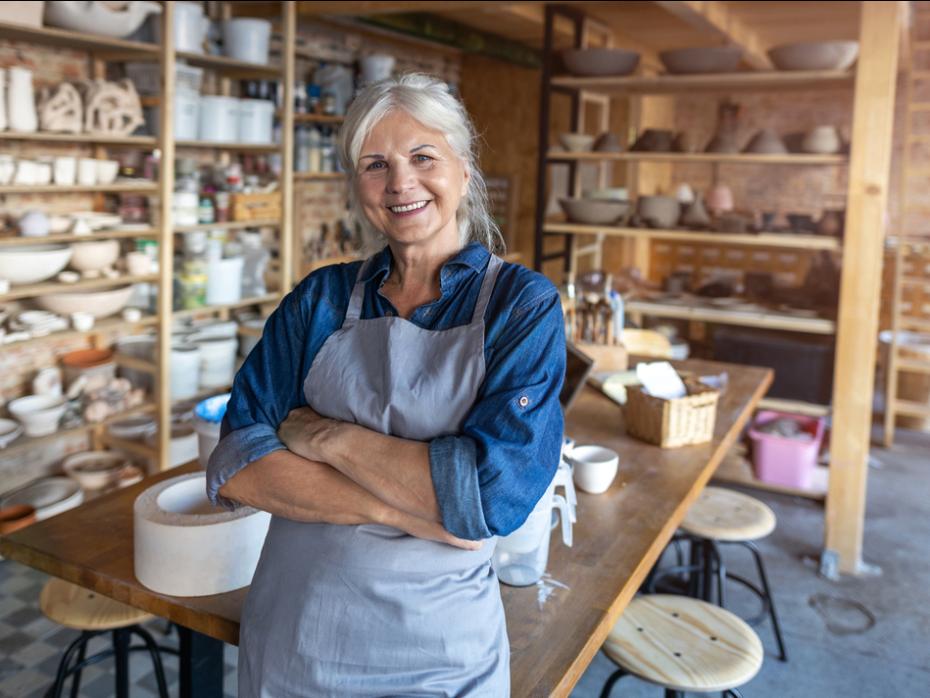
column 488, row 478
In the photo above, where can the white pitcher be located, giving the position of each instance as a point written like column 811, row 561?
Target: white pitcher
column 21, row 102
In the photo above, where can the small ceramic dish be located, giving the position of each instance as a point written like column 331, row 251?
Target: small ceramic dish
column 9, row 432
column 94, row 470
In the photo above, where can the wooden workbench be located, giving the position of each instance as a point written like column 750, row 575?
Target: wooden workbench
column 618, row 537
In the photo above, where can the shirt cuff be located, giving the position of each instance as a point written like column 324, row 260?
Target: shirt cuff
column 453, row 466
column 235, row 451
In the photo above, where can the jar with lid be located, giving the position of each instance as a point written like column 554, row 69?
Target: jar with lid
column 205, row 210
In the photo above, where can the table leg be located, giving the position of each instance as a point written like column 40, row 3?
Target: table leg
column 201, row 665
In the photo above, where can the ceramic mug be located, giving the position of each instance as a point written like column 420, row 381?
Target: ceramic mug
column 25, row 172
column 107, row 171
column 138, row 264
column 65, row 170
column 87, row 172
column 594, row 467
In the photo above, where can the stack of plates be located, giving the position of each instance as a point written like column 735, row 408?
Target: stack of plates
column 49, row 496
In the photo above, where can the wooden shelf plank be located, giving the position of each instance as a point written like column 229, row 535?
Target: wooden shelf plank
column 738, row 471
column 51, row 36
column 100, row 327
column 743, row 318
column 258, row 300
column 77, row 138
column 912, row 409
column 912, row 365
column 203, row 394
column 797, row 406
column 805, row 159
column 230, row 66
column 244, row 147
column 13, row 240
column 805, row 242
column 228, row 225
column 315, row 118
column 761, row 81
column 30, row 290
column 319, row 175
column 116, row 187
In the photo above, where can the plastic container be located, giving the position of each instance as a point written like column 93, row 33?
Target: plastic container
column 217, row 361
column 247, row 39
column 208, row 416
column 218, row 118
column 784, row 461
column 520, row 559
column 256, row 121
column 185, row 371
column 224, row 281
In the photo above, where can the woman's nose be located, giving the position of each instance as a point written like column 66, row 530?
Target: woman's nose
column 400, row 178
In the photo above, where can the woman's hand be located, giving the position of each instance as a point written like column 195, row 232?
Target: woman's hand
column 305, row 433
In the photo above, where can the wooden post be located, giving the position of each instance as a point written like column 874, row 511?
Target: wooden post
column 291, row 253
column 860, row 286
column 165, row 235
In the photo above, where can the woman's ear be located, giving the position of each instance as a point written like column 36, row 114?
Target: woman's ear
column 465, row 177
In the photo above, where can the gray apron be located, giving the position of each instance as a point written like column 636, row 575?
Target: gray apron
column 368, row 610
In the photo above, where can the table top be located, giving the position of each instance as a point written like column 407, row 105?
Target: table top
column 618, row 537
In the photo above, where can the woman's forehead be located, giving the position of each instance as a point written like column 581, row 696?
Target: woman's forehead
column 398, row 130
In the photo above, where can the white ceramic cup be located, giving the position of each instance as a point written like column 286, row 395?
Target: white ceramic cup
column 138, row 263
column 107, row 171
column 82, row 321
column 87, row 172
column 594, row 467
column 65, row 170
column 26, row 172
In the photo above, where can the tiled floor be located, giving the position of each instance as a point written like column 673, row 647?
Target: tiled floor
column 31, row 647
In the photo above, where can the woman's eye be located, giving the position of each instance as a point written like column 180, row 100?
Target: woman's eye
column 376, row 165
column 422, row 158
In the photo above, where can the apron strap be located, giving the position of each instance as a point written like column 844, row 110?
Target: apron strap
column 484, row 295
column 354, row 310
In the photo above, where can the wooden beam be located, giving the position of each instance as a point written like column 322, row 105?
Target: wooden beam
column 717, row 20
column 362, row 8
column 289, row 251
column 860, row 286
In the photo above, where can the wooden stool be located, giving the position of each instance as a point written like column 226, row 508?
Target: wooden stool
column 79, row 608
column 723, row 516
column 682, row 644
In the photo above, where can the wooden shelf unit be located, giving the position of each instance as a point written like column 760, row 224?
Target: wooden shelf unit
column 752, row 81
column 744, row 318
column 799, row 159
column 101, row 50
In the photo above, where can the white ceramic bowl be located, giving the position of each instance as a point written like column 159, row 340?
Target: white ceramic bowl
column 39, row 414
column 31, row 264
column 576, row 142
column 94, row 255
column 98, row 303
column 593, row 467
column 94, row 470
column 48, row 495
column 107, row 171
column 9, row 432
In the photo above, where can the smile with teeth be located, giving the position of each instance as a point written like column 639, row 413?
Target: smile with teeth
column 405, row 208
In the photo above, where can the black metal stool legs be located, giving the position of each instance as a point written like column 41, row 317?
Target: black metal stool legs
column 156, row 659
column 76, row 681
column 782, row 654
column 608, row 687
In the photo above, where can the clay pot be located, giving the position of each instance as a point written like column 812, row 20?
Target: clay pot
column 705, row 59
column 659, row 211
column 720, row 199
column 695, row 215
column 15, row 517
column 815, row 55
column 766, row 142
column 653, row 140
column 823, row 140
column 600, row 61
column 832, row 223
column 685, row 142
column 607, row 143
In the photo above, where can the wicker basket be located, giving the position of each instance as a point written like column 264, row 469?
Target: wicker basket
column 256, row 207
column 672, row 423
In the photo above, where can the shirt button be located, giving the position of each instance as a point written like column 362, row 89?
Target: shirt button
column 524, row 401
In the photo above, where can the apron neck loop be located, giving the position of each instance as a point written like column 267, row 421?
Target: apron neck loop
column 358, row 292
column 484, row 295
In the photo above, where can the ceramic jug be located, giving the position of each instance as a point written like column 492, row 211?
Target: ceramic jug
column 21, row 103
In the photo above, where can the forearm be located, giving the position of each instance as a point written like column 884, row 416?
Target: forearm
column 295, row 488
column 395, row 470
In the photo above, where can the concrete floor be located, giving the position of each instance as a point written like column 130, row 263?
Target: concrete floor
column 862, row 637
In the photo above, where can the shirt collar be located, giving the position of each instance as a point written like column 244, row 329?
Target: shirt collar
column 473, row 256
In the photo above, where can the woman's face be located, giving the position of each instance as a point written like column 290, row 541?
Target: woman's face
column 410, row 182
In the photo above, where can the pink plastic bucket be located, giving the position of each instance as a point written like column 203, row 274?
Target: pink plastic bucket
column 779, row 460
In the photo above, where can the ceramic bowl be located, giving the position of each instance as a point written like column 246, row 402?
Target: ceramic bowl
column 107, row 171
column 95, row 255
column 707, row 59
column 31, row 264
column 823, row 140
column 100, row 304
column 94, row 470
column 49, row 496
column 659, row 211
column 9, row 432
column 654, row 140
column 596, row 211
column 608, row 143
column 815, row 55
column 576, row 142
column 593, row 467
column 39, row 414
column 610, row 193
column 766, row 142
column 600, row 61
column 15, row 517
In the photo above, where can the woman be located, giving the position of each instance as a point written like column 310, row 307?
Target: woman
column 395, row 416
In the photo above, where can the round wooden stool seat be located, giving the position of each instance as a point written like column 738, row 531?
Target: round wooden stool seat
column 725, row 515
column 82, row 609
column 684, row 644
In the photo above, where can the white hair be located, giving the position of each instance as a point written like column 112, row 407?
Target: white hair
column 429, row 101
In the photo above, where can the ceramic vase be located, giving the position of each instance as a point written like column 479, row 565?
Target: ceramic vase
column 21, row 103
column 720, row 199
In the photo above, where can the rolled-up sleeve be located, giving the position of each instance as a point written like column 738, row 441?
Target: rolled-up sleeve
column 265, row 389
column 489, row 477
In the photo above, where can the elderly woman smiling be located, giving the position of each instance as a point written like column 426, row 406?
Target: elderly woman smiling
column 396, row 415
